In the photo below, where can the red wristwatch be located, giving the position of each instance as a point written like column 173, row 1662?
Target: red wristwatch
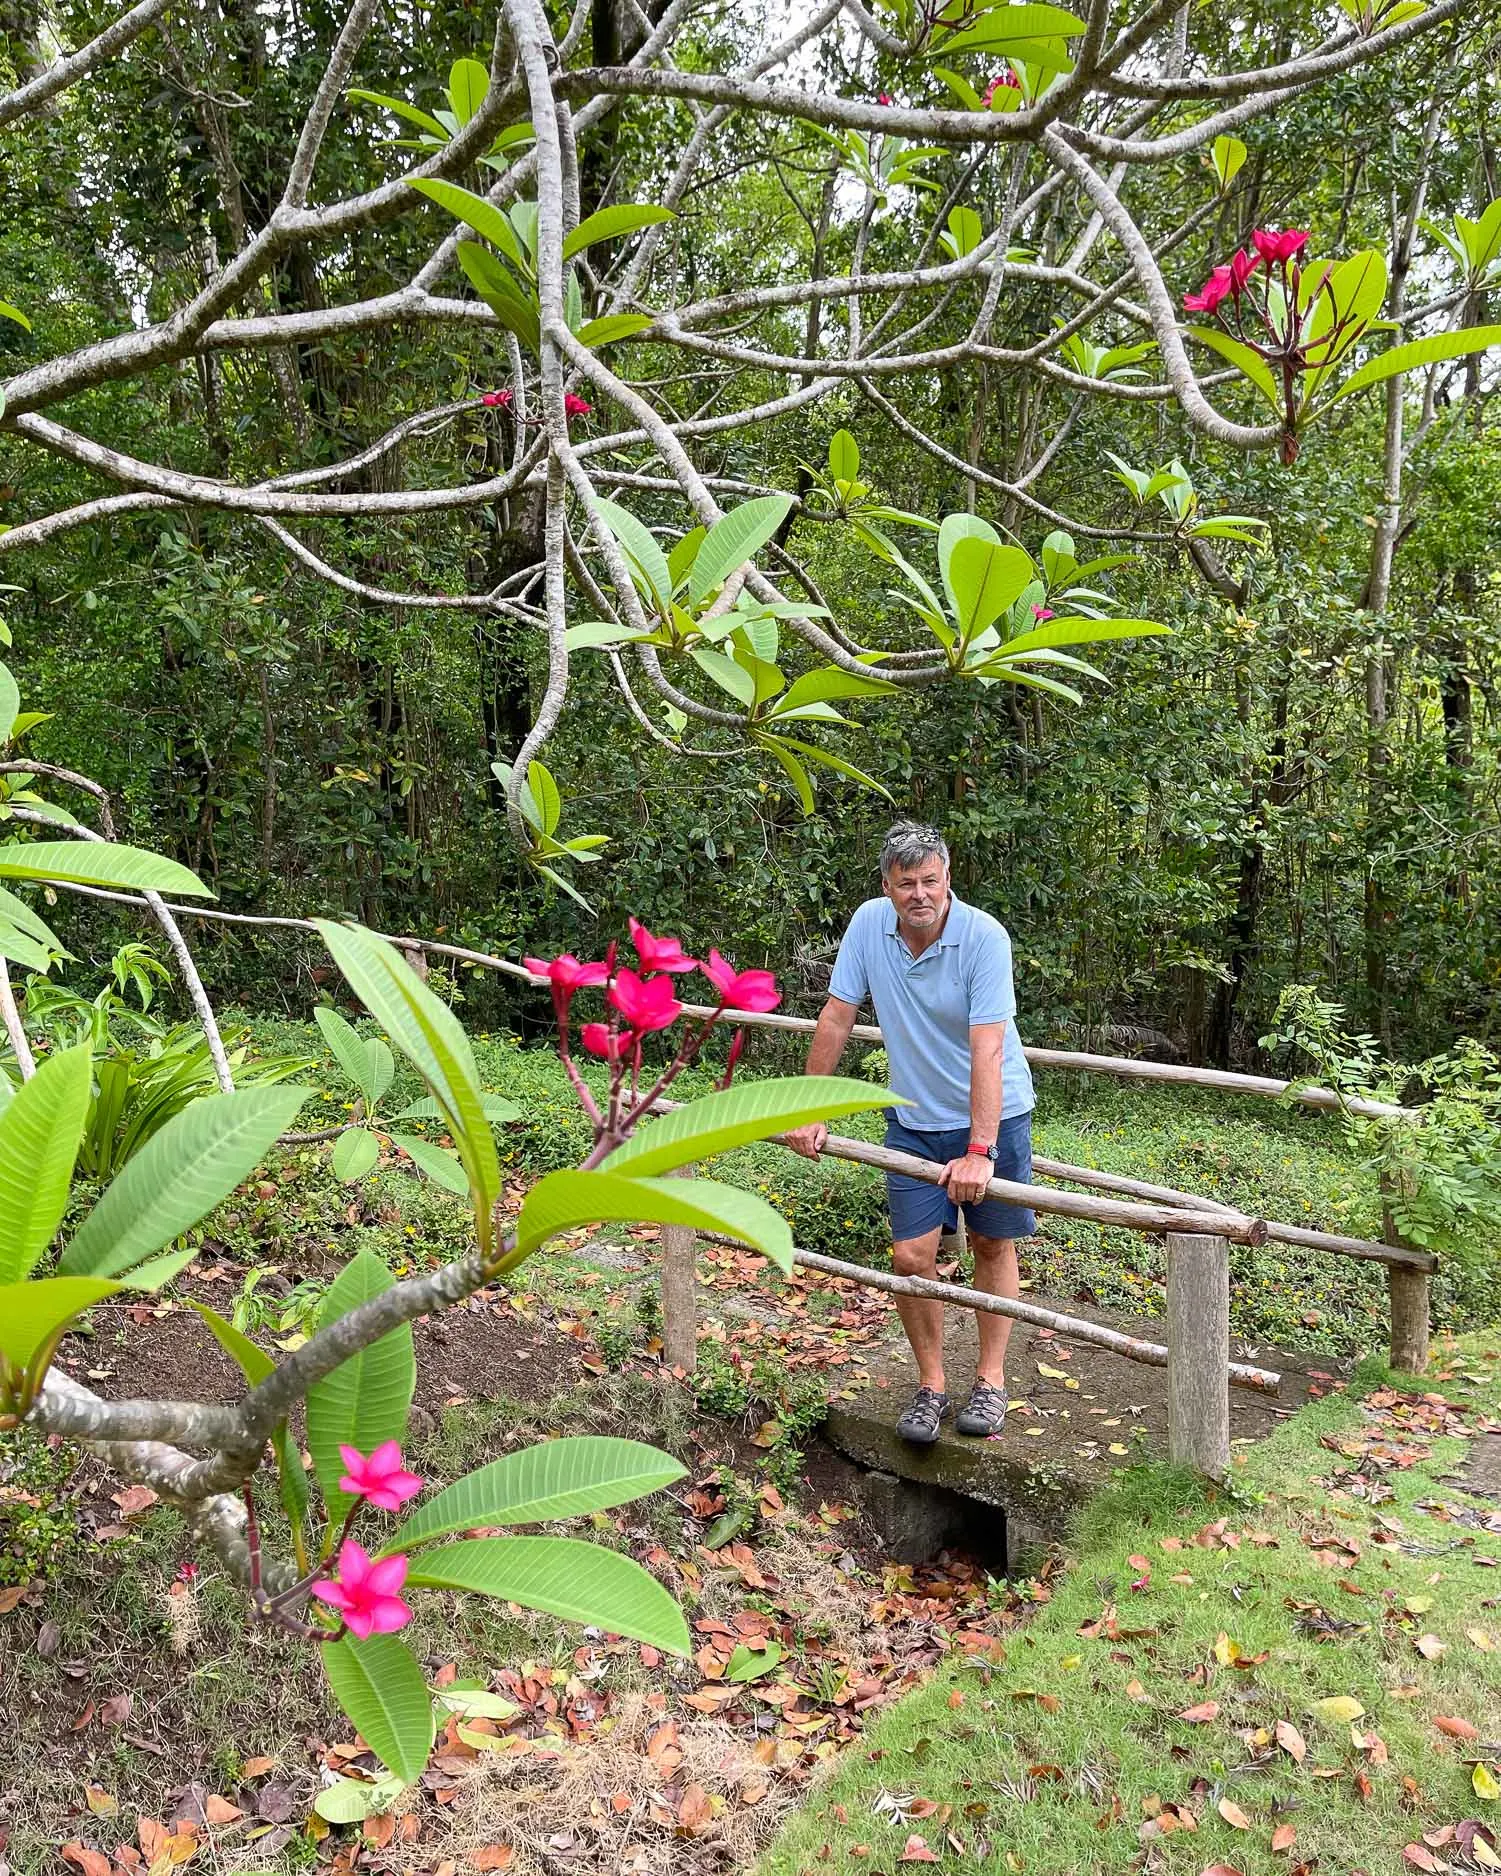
column 979, row 1146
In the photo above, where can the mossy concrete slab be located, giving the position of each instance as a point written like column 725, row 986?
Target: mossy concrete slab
column 1078, row 1414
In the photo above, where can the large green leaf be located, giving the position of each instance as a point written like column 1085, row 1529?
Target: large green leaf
column 411, row 112
column 1412, row 357
column 1250, row 364
column 346, row 1047
column 123, row 869
column 557, row 1479
column 565, row 1576
column 468, row 84
column 482, row 216
column 827, row 759
column 516, row 311
column 32, row 1313
column 818, row 686
column 184, row 1170
column 431, row 1159
column 355, row 1153
column 750, row 1110
column 40, row 1131
column 10, row 702
column 986, row 581
column 1079, row 632
column 562, row 1200
column 608, row 223
column 1003, row 26
column 380, row 1686
column 24, row 938
column 431, row 1037
column 641, row 547
column 612, row 326
column 733, row 540
column 495, row 1106
column 255, row 1364
column 367, row 1398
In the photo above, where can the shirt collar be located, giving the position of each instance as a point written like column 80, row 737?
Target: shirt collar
column 953, row 925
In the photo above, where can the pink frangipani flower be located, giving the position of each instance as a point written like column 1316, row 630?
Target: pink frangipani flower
column 575, row 406
column 597, row 1039
column 1274, row 246
column 380, row 1479
column 1003, row 81
column 659, row 954
column 646, row 1003
column 1039, row 613
column 364, row 1592
column 498, row 400
column 1242, row 266
column 741, row 990
column 1209, row 296
column 565, row 972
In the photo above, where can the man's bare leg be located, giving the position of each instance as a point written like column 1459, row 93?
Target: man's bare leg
column 921, row 1317
column 996, row 1273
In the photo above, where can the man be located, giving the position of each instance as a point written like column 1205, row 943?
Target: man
column 938, row 973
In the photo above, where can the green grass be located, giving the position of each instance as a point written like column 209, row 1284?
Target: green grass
column 1048, row 1764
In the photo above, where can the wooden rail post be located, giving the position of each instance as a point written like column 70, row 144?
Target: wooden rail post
column 680, row 1292
column 1198, row 1340
column 1408, row 1298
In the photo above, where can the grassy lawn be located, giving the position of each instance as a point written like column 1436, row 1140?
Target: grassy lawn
column 1303, row 1672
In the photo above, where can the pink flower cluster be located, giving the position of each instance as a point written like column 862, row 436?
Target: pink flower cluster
column 1003, row 81
column 504, row 400
column 1274, row 248
column 365, row 1589
column 644, row 1000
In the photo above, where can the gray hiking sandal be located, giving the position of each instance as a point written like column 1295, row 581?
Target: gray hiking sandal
column 984, row 1413
column 920, row 1423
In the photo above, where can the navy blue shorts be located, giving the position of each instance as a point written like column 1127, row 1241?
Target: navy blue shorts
column 916, row 1208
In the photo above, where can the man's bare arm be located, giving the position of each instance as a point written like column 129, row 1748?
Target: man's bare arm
column 835, row 1021
column 966, row 1177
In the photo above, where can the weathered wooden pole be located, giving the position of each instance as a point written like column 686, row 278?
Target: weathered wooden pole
column 680, row 1292
column 1198, row 1341
column 1408, row 1297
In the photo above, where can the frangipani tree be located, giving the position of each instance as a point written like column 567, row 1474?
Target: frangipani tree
column 983, row 201
column 335, row 1582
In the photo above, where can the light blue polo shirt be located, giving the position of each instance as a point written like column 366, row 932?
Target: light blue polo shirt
column 927, row 1005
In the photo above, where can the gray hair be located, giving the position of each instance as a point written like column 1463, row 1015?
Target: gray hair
column 908, row 844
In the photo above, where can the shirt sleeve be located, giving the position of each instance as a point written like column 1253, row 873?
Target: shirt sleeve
column 992, row 995
column 850, row 981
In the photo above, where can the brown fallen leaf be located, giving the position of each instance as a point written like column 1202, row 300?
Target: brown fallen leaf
column 257, row 1768
column 1455, row 1727
column 1204, row 1711
column 101, row 1802
column 916, row 1851
column 1420, row 1857
column 9, row 1599
column 1283, row 1839
column 492, row 1856
column 1291, row 1741
column 1430, row 1647
column 696, row 1811
column 91, row 1862
column 134, row 1500
column 117, row 1709
column 1232, row 1814
column 217, row 1810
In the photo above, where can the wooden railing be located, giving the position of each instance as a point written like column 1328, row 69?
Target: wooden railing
column 1198, row 1231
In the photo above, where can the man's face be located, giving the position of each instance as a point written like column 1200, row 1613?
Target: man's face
column 919, row 893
